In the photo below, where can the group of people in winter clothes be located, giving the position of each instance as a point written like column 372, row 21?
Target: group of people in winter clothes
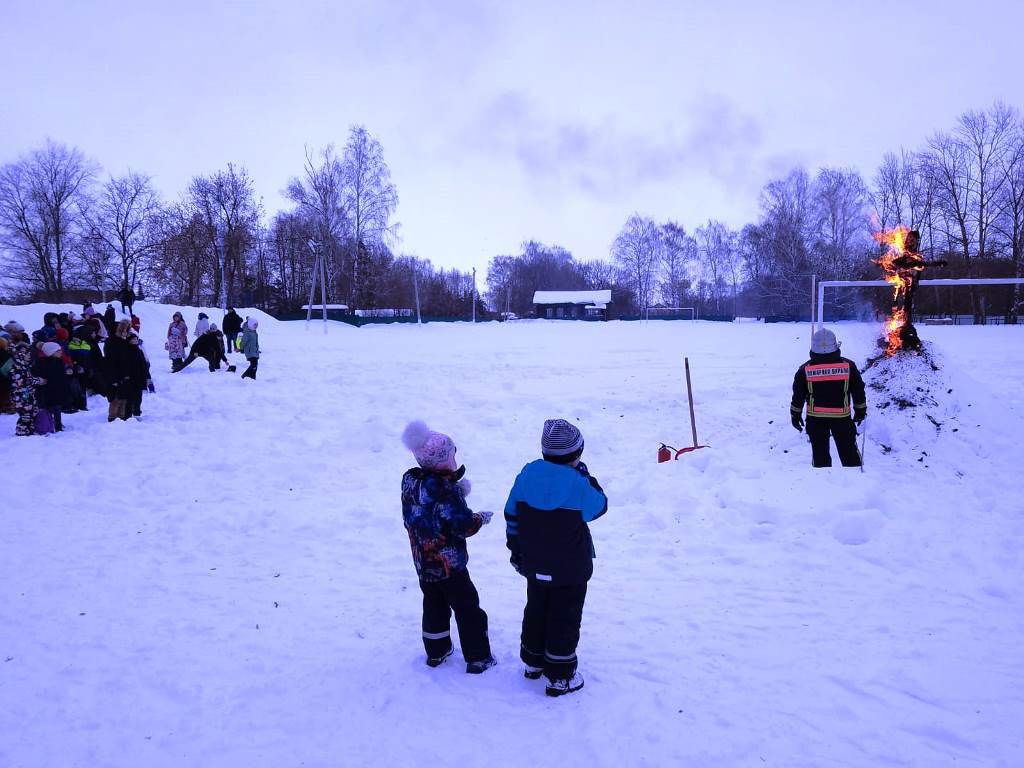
column 546, row 528
column 212, row 344
column 54, row 370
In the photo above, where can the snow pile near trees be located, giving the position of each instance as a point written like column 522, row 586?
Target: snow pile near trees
column 227, row 582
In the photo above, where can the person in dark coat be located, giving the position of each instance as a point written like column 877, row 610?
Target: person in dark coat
column 138, row 377
column 96, row 382
column 55, row 393
column 232, row 325
column 127, row 297
column 546, row 527
column 110, row 320
column 48, row 332
column 827, row 383
column 438, row 522
column 210, row 347
column 80, row 352
column 118, row 368
column 6, row 364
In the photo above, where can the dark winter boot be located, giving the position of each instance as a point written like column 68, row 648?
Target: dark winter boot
column 562, row 687
column 477, row 667
column 532, row 673
column 436, row 661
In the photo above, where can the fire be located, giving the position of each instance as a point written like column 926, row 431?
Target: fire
column 901, row 263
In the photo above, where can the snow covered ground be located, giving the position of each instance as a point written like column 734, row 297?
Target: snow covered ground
column 227, row 582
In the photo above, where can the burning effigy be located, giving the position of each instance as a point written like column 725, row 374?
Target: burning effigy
column 903, row 265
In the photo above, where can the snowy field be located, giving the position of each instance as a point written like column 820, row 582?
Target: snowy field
column 227, row 582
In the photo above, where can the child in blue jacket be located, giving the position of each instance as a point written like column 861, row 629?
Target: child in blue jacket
column 438, row 522
column 546, row 518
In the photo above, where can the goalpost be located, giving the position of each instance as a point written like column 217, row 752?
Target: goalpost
column 669, row 312
column 822, row 285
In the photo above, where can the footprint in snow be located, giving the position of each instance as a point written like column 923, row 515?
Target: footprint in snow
column 857, row 528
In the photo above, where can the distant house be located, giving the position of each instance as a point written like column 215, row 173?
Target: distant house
column 334, row 311
column 572, row 305
column 335, row 307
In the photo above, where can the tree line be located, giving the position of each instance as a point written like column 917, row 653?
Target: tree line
column 64, row 228
column 963, row 190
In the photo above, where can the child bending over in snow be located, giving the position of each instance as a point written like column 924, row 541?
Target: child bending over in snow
column 438, row 522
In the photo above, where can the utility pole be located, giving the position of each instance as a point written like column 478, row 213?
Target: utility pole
column 318, row 271
column 473, row 297
column 416, row 290
column 220, row 246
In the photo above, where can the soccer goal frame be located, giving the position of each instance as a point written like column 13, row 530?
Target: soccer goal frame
column 823, row 284
column 691, row 310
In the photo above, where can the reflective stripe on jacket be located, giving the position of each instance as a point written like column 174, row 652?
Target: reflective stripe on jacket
column 827, row 383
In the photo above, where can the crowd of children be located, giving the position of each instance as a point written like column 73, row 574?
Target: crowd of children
column 54, row 370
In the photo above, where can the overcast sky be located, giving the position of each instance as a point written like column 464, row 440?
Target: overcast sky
column 506, row 121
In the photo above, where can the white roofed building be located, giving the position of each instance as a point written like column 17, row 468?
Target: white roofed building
column 572, row 305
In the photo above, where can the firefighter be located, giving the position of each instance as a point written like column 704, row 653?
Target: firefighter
column 828, row 383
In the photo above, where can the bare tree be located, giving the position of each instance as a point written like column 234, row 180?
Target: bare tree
column 776, row 250
column 680, row 252
column 639, row 249
column 226, row 202
column 320, row 199
column 124, row 219
column 293, row 262
column 718, row 262
column 40, row 197
column 1009, row 223
column 184, row 261
column 965, row 169
column 841, row 232
column 370, row 200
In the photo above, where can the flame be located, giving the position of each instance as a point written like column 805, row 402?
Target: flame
column 900, row 276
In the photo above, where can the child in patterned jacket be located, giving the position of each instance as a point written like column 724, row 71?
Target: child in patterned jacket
column 438, row 522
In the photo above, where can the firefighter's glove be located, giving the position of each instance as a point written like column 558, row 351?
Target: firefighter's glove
column 859, row 417
column 798, row 423
column 485, row 516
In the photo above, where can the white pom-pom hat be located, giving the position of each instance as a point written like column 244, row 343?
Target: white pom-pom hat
column 433, row 450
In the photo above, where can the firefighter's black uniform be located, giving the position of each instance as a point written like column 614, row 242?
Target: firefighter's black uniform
column 827, row 383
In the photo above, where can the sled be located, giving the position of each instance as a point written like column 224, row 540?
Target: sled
column 665, row 452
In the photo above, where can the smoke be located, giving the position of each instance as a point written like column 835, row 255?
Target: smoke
column 710, row 139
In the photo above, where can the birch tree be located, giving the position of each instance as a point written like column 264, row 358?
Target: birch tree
column 638, row 250
column 369, row 200
column 320, row 198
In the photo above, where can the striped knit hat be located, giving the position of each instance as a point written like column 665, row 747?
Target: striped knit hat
column 560, row 438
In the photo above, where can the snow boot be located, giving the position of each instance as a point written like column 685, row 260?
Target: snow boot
column 562, row 687
column 532, row 673
column 436, row 661
column 477, row 667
